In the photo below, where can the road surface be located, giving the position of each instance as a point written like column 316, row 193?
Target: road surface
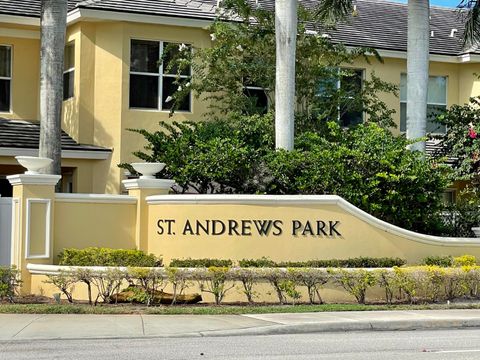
column 404, row 345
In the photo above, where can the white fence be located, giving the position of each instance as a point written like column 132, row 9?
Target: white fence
column 5, row 230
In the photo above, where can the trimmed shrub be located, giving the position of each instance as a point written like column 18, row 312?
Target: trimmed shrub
column 355, row 282
column 264, row 262
column 9, row 282
column 94, row 256
column 360, row 262
column 200, row 263
column 442, row 261
column 464, row 260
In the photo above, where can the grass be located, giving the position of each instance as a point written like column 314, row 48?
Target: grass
column 211, row 309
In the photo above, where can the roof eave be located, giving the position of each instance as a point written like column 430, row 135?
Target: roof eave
column 20, row 20
column 82, row 14
column 66, row 154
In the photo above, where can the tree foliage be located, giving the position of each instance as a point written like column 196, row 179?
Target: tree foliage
column 242, row 56
column 461, row 143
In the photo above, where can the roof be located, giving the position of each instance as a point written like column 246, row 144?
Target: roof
column 377, row 23
column 20, row 134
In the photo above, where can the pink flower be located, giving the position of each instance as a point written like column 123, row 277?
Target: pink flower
column 472, row 133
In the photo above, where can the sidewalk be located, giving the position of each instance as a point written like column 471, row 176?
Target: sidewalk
column 31, row 327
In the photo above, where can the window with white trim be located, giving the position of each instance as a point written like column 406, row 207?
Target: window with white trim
column 152, row 84
column 69, row 72
column 5, row 78
column 436, row 102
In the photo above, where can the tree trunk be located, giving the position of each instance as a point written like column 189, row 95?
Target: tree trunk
column 53, row 26
column 417, row 70
column 286, row 39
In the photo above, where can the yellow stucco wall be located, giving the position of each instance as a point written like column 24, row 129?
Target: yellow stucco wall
column 25, row 74
column 84, row 224
column 358, row 237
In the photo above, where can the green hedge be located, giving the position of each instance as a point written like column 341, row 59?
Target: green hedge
column 93, row 256
column 442, row 261
column 200, row 263
column 360, row 262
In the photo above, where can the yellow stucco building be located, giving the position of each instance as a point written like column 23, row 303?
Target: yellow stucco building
column 110, row 84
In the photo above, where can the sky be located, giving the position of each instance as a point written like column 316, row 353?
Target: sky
column 450, row 3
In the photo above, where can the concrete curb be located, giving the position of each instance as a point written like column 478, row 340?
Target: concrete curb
column 375, row 325
column 25, row 327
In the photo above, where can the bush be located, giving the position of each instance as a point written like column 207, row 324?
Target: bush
column 465, row 260
column 442, row 261
column 355, row 282
column 93, row 256
column 9, row 282
column 367, row 166
column 258, row 263
column 200, row 263
column 360, row 262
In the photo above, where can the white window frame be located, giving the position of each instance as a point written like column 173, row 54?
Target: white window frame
column 433, row 104
column 160, row 76
column 70, row 70
column 9, row 79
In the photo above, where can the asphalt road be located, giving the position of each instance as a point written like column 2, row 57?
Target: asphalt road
column 437, row 344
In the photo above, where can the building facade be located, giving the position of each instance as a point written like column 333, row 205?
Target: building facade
column 112, row 81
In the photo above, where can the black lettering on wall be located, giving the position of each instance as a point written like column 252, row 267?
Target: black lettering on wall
column 333, row 224
column 205, row 228
column 246, row 227
column 277, row 224
column 263, row 226
column 187, row 229
column 218, row 227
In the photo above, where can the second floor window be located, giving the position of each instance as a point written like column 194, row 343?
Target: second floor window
column 5, row 77
column 69, row 72
column 344, row 91
column 257, row 99
column 152, row 83
column 436, row 102
column 351, row 86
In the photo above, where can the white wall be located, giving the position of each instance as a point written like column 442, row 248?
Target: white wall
column 5, row 230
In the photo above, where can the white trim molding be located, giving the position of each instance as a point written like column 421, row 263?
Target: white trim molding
column 20, row 20
column 454, row 59
column 102, row 15
column 15, row 245
column 95, row 198
column 160, row 184
column 34, row 179
column 19, row 33
column 287, row 200
column 48, row 228
column 66, row 154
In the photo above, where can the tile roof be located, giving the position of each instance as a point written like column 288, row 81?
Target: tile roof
column 26, row 134
column 378, row 23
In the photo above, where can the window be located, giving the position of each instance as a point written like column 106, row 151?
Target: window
column 5, row 77
column 449, row 196
column 350, row 86
column 69, row 72
column 151, row 84
column 257, row 97
column 436, row 102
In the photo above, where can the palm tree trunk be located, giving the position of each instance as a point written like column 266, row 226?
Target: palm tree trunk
column 286, row 39
column 53, row 26
column 417, row 70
